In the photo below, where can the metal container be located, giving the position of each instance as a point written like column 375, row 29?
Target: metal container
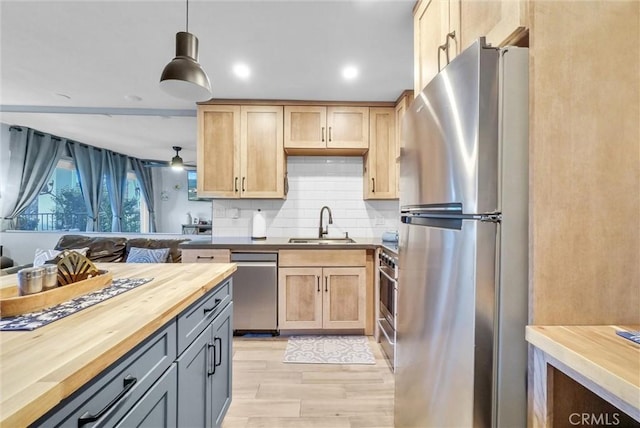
column 30, row 280
column 50, row 280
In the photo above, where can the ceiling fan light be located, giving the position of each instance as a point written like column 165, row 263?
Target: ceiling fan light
column 176, row 163
column 183, row 77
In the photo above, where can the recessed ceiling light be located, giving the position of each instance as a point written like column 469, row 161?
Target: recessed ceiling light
column 349, row 72
column 242, row 70
column 65, row 96
column 133, row 98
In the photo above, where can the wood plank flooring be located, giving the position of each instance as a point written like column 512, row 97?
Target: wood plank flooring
column 268, row 393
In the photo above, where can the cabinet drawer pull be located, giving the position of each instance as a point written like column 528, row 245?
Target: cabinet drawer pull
column 373, row 188
column 215, row 305
column 235, row 184
column 205, row 257
column 330, row 133
column 318, row 282
column 208, row 358
column 219, row 361
column 323, row 134
column 326, row 284
column 243, row 180
column 128, row 382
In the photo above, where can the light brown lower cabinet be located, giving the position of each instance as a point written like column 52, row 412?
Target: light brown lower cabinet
column 321, row 298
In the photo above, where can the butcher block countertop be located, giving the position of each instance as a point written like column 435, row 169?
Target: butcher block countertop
column 40, row 368
column 596, row 353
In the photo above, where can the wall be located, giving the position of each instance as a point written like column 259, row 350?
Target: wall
column 585, row 162
column 314, row 181
column 171, row 212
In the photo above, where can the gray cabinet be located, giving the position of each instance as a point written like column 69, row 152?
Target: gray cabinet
column 107, row 398
column 178, row 377
column 158, row 407
column 204, row 375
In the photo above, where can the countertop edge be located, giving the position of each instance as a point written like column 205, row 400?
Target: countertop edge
column 582, row 364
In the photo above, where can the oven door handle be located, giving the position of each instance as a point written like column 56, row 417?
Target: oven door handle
column 395, row 281
column 381, row 328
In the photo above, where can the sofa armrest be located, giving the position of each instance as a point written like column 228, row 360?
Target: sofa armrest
column 14, row 269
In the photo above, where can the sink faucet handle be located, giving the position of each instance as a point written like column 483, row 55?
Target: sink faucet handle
column 346, row 235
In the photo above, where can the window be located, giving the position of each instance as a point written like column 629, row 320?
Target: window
column 60, row 205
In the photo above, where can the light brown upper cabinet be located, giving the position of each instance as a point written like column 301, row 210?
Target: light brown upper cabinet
column 317, row 128
column 240, row 151
column 459, row 23
column 502, row 22
column 432, row 23
column 402, row 105
column 380, row 161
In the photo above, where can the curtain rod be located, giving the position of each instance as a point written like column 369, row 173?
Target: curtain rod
column 55, row 137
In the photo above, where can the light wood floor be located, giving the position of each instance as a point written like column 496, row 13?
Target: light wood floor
column 268, row 393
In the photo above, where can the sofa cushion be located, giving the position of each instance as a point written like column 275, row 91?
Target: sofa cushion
column 147, row 255
column 175, row 253
column 47, row 256
column 101, row 249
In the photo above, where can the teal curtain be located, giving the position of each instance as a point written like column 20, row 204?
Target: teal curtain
column 34, row 156
column 117, row 186
column 90, row 165
column 146, row 188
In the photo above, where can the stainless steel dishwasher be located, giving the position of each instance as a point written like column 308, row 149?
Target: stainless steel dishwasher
column 255, row 292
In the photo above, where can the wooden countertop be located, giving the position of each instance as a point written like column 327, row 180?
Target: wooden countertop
column 597, row 353
column 39, row 368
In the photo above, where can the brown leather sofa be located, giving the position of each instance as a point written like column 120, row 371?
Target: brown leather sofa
column 108, row 249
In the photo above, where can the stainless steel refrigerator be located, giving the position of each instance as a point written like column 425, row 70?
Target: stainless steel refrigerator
column 462, row 291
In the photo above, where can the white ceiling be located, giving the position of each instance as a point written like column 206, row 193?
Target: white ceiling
column 99, row 52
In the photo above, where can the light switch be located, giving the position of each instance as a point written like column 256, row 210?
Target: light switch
column 219, row 212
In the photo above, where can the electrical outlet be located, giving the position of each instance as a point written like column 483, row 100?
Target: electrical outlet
column 234, row 212
column 379, row 221
column 219, row 212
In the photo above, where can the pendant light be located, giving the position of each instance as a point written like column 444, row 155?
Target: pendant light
column 183, row 77
column 176, row 161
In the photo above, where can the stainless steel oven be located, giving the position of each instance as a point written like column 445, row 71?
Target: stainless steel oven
column 388, row 292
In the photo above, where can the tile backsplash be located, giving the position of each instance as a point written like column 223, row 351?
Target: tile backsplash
column 314, row 181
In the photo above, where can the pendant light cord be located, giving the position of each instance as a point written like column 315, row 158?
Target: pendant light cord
column 187, row 16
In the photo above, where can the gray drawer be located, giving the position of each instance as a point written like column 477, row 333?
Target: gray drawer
column 113, row 392
column 193, row 320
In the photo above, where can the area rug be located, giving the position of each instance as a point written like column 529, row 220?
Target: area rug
column 328, row 350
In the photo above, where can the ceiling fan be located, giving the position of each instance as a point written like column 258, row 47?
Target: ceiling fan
column 175, row 163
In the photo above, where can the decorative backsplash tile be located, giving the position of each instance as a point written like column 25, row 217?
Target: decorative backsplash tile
column 314, row 181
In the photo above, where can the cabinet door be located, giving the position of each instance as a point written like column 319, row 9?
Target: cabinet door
column 348, row 127
column 401, row 108
column 344, row 297
column 218, row 154
column 380, row 172
column 158, row 407
column 299, row 298
column 194, row 387
column 220, row 379
column 305, row 127
column 262, row 152
column 502, row 22
column 430, row 26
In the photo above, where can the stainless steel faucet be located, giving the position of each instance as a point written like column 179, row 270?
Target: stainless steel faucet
column 321, row 231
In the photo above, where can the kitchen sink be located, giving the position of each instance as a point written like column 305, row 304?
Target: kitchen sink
column 321, row 241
